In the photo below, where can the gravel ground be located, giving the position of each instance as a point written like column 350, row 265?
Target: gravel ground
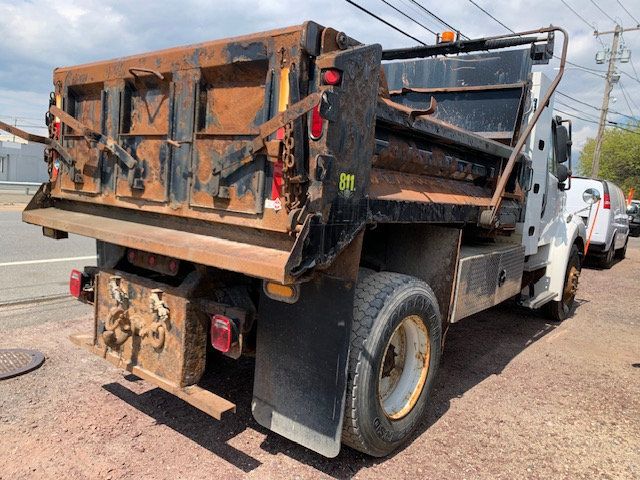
column 516, row 397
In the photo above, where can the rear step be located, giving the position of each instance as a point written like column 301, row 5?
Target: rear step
column 247, row 258
column 202, row 399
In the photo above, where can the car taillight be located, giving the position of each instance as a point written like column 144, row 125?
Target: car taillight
column 75, row 283
column 317, row 123
column 606, row 202
column 331, row 76
column 221, row 333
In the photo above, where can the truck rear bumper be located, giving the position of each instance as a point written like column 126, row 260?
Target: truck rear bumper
column 244, row 257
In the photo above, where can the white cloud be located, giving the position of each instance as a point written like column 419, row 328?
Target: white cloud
column 39, row 35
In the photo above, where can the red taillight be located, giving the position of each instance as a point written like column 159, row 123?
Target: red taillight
column 75, row 283
column 606, row 201
column 221, row 333
column 152, row 260
column 331, row 77
column 317, row 123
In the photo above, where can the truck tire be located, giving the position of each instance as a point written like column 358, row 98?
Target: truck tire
column 561, row 310
column 395, row 353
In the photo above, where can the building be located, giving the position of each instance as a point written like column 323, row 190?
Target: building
column 22, row 162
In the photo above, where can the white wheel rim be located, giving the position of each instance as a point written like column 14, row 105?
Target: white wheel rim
column 404, row 367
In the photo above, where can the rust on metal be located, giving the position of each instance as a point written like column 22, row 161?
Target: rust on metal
column 409, row 187
column 249, row 258
column 204, row 400
column 413, row 113
column 467, row 88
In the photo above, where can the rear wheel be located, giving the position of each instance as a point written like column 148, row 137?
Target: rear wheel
column 621, row 253
column 395, row 352
column 609, row 256
column 560, row 310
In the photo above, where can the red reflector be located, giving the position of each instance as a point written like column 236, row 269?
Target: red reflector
column 75, row 283
column 606, row 203
column 280, row 133
column 152, row 260
column 131, row 256
column 278, row 181
column 331, row 77
column 221, row 333
column 317, row 123
column 173, row 266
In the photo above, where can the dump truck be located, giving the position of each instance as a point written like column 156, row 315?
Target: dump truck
column 324, row 206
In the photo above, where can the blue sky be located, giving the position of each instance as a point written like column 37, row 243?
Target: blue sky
column 38, row 36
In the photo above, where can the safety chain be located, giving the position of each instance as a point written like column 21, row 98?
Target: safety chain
column 292, row 190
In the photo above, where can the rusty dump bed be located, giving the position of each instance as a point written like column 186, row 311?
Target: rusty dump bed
column 210, row 153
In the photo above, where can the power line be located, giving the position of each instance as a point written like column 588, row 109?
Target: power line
column 628, row 12
column 577, row 109
column 578, row 15
column 582, row 67
column 588, row 71
column 591, row 106
column 491, row 16
column 633, row 67
column 385, row 22
column 612, row 124
column 630, row 76
column 585, row 68
column 624, row 95
column 416, row 11
column 629, row 96
column 431, row 14
column 603, row 12
column 407, row 16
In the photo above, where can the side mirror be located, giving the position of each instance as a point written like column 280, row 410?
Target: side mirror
column 632, row 209
column 591, row 196
column 563, row 144
column 562, row 174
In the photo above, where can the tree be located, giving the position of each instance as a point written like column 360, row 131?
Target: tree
column 619, row 158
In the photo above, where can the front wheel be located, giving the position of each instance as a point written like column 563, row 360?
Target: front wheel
column 394, row 356
column 561, row 309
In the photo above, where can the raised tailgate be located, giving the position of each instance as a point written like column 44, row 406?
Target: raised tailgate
column 185, row 115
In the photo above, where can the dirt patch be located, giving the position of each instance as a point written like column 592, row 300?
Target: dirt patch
column 516, row 397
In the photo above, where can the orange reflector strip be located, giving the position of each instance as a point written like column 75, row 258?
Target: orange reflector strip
column 284, row 293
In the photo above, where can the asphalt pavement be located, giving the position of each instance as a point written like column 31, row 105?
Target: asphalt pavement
column 34, row 271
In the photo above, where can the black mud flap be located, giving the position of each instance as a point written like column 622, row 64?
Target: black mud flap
column 301, row 364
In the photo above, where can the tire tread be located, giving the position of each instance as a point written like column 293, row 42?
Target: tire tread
column 372, row 291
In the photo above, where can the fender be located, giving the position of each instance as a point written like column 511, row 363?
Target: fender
column 567, row 233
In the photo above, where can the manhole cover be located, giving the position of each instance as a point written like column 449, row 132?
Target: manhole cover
column 16, row 361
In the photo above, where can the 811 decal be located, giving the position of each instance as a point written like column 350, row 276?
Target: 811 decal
column 347, row 184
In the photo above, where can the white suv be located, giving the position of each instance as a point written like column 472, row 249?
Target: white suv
column 606, row 220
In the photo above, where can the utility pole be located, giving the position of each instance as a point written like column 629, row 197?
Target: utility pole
column 611, row 78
